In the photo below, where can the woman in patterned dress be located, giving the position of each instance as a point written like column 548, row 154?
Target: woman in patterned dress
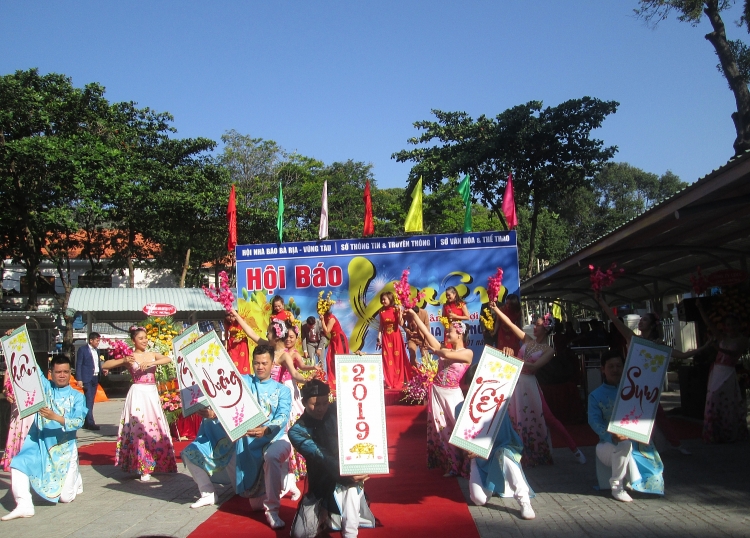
column 527, row 408
column 444, row 395
column 725, row 415
column 391, row 341
column 144, row 444
column 19, row 427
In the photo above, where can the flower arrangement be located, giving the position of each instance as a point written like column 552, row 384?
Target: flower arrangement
column 487, row 319
column 119, row 349
column 171, row 405
column 416, row 390
column 699, row 283
column 494, row 283
column 160, row 332
column 224, row 297
column 403, row 291
column 602, row 279
column 324, row 305
column 444, row 321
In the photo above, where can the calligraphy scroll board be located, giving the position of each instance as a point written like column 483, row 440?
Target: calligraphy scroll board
column 221, row 383
column 363, row 443
column 191, row 395
column 640, row 389
column 24, row 372
column 486, row 402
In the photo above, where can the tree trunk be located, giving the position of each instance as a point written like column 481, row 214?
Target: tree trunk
column 532, row 239
column 32, row 276
column 131, row 265
column 185, row 267
column 68, row 347
column 718, row 38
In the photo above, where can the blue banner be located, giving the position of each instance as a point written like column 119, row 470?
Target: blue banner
column 356, row 271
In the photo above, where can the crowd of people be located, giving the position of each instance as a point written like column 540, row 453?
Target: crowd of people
column 299, row 437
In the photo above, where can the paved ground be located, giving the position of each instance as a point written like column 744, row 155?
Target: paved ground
column 708, row 494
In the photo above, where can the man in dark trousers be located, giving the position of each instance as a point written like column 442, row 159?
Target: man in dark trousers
column 87, row 375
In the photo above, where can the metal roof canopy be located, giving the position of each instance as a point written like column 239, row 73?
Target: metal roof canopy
column 126, row 304
column 706, row 225
column 33, row 319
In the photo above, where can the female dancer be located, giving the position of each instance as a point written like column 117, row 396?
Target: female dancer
column 505, row 335
column 19, row 427
column 444, row 395
column 236, row 342
column 725, row 416
column 338, row 344
column 501, row 472
column 144, row 444
column 390, row 340
column 528, row 410
column 649, row 328
column 454, row 309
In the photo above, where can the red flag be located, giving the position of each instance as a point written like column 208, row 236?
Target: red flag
column 369, row 224
column 232, row 221
column 509, row 204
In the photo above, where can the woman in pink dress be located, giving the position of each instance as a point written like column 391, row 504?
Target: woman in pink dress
column 144, row 444
column 444, row 395
column 454, row 309
column 19, row 427
column 725, row 415
column 391, row 341
column 527, row 408
column 338, row 344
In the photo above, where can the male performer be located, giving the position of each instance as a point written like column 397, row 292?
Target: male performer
column 315, row 436
column 265, row 447
column 48, row 460
column 313, row 340
column 87, row 374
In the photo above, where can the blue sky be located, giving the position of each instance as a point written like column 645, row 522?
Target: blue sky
column 339, row 80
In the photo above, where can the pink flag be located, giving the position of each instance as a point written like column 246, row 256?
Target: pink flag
column 323, row 228
column 232, row 221
column 369, row 227
column 509, row 204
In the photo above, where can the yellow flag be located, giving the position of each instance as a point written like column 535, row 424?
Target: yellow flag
column 414, row 216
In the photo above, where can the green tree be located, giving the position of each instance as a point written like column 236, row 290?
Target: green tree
column 52, row 146
column 733, row 55
column 549, row 151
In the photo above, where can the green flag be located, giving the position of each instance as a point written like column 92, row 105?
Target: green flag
column 414, row 216
column 280, row 215
column 464, row 189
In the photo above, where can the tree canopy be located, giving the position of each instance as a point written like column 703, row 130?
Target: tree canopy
column 733, row 54
column 548, row 150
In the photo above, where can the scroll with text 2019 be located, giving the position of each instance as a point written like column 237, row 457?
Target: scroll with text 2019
column 363, row 443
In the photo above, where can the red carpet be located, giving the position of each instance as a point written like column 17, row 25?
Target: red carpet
column 104, row 453
column 411, row 502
